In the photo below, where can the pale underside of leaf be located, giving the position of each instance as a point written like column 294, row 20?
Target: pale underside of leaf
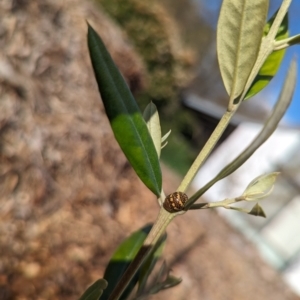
column 164, row 138
column 164, row 141
column 152, row 119
column 239, row 34
column 260, row 187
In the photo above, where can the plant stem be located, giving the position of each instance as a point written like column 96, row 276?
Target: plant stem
column 224, row 203
column 163, row 220
column 208, row 147
column 266, row 48
column 164, row 217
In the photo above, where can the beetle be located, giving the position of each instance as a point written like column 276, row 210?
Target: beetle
column 175, row 202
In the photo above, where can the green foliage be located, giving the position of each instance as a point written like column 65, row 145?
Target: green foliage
column 271, row 124
column 273, row 62
column 122, row 258
column 127, row 123
column 244, row 55
column 151, row 31
column 153, row 123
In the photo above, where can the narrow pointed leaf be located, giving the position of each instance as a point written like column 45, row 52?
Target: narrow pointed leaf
column 121, row 259
column 95, row 290
column 166, row 136
column 257, row 211
column 273, row 61
column 239, row 35
column 152, row 120
column 126, row 120
column 164, row 141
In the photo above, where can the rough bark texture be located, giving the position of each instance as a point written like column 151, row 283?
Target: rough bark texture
column 67, row 194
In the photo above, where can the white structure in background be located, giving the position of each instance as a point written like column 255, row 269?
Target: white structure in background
column 278, row 236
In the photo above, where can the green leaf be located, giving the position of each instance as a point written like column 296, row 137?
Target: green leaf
column 273, row 61
column 239, row 35
column 152, row 119
column 164, row 138
column 164, row 141
column 95, row 290
column 257, row 211
column 122, row 258
column 126, row 120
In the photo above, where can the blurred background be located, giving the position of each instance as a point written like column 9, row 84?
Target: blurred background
column 67, row 194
